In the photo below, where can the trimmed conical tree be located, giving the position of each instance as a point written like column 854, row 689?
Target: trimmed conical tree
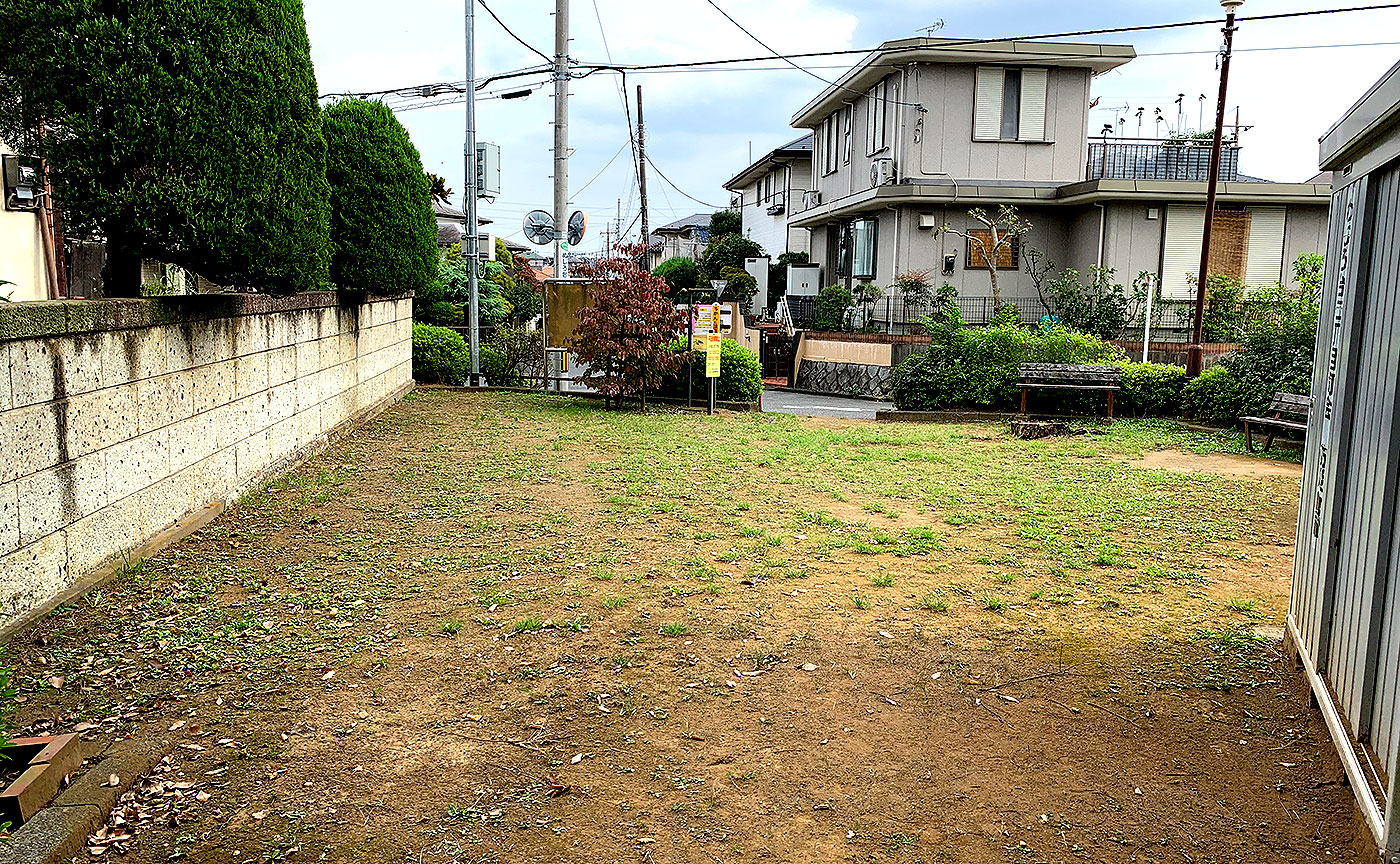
column 187, row 132
column 383, row 229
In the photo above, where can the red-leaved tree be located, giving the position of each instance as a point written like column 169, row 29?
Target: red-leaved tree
column 622, row 334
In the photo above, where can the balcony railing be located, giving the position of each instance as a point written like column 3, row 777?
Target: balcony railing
column 1154, row 159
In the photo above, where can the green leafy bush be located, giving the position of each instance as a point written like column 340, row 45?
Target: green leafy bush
column 522, row 352
column 740, row 374
column 1151, row 389
column 187, row 132
column 740, row 286
column 1213, row 396
column 497, row 369
column 729, row 250
column 681, row 275
column 1102, row 306
column 441, row 313
column 382, row 223
column 491, row 305
column 440, row 355
column 724, row 222
column 832, row 303
column 977, row 367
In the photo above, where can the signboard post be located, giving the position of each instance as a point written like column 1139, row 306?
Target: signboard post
column 712, row 365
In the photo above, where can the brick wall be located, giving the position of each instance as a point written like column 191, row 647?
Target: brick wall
column 120, row 417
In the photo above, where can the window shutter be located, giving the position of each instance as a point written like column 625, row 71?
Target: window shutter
column 986, row 122
column 1181, row 251
column 1264, row 264
column 1033, row 104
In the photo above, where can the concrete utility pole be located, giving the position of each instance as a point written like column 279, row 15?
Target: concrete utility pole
column 561, row 133
column 1195, row 349
column 642, row 170
column 470, row 246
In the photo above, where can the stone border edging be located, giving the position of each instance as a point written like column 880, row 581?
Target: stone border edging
column 867, row 397
column 739, row 407
column 59, row 831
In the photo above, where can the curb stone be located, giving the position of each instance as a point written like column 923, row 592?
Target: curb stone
column 59, row 831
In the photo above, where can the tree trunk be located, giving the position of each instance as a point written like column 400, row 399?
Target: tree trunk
column 996, row 289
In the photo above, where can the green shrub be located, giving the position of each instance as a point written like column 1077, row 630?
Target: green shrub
column 1213, row 396
column 440, row 356
column 832, row 303
column 1151, row 389
column 681, row 276
column 728, row 250
column 382, row 223
column 497, row 369
column 977, row 367
column 740, row 286
column 187, row 132
column 442, row 313
column 740, row 374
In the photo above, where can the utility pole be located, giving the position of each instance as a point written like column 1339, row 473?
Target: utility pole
column 1195, row 349
column 470, row 246
column 561, row 133
column 642, row 172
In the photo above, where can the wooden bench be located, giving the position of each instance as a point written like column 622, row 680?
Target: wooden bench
column 1288, row 412
column 1064, row 376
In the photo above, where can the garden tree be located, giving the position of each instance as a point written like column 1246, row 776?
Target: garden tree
column 622, row 335
column 521, row 285
column 913, row 287
column 1102, row 307
column 830, row 308
column 491, row 304
column 681, row 275
column 778, row 273
column 383, row 231
column 740, row 286
column 437, row 187
column 723, row 222
column 729, row 251
column 187, row 132
column 996, row 235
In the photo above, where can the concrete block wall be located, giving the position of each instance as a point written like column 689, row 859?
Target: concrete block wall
column 120, row 417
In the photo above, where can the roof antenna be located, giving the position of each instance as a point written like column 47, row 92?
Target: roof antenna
column 932, row 28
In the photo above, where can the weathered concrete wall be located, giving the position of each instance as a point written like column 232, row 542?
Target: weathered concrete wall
column 117, row 418
column 844, row 379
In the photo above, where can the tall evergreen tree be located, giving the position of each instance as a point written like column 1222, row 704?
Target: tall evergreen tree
column 382, row 223
column 187, row 132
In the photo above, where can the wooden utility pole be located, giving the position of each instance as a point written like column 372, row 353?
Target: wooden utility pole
column 642, row 169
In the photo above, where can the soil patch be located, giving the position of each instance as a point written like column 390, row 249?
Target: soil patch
column 1224, row 464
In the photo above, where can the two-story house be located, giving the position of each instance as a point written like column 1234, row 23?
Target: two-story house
column 683, row 238
column 770, row 192
column 922, row 130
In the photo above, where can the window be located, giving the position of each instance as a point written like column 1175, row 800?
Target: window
column 846, row 135
column 1009, row 104
column 1246, row 244
column 1008, row 256
column 829, row 144
column 879, row 96
column 864, row 233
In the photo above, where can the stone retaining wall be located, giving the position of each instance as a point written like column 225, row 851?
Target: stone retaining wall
column 120, row 417
column 843, row 379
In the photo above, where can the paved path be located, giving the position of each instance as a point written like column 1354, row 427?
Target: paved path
column 781, row 402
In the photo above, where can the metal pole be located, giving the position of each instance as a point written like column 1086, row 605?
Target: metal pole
column 561, row 146
column 690, row 348
column 1195, row 349
column 1147, row 319
column 642, row 172
column 470, row 246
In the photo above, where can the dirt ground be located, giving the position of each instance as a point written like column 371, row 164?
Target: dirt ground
column 500, row 628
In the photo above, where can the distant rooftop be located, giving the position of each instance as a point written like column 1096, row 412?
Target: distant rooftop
column 797, row 149
column 694, row 220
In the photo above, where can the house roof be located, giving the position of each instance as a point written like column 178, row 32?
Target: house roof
column 891, row 55
column 1370, row 117
column 694, row 220
column 793, row 151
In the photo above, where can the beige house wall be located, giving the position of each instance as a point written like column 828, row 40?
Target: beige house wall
column 840, row 351
column 118, row 418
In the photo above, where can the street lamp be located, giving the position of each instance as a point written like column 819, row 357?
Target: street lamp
column 1195, row 350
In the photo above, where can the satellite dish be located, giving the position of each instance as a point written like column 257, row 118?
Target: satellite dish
column 578, row 224
column 539, row 227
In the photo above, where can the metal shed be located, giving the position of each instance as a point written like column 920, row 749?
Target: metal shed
column 1344, row 615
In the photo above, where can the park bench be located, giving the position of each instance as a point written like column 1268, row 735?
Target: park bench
column 1065, row 376
column 1288, row 412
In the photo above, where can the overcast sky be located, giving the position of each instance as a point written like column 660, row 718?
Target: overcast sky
column 701, row 125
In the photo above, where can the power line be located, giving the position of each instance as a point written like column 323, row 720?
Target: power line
column 511, row 33
column 679, row 189
column 604, row 168
column 621, row 90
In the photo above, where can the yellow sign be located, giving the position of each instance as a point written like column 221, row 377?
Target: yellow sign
column 712, row 356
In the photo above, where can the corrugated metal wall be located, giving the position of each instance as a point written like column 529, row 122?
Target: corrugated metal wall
column 1346, row 591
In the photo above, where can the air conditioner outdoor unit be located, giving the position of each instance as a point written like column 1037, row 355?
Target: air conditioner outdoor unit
column 882, row 172
column 811, row 199
column 778, row 206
